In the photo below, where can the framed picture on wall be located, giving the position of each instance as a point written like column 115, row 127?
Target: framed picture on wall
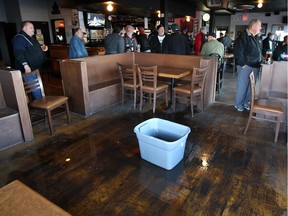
column 264, row 29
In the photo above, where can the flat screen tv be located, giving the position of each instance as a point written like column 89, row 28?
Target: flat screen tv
column 94, row 20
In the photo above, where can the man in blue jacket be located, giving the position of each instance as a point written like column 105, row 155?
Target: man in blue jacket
column 248, row 56
column 77, row 47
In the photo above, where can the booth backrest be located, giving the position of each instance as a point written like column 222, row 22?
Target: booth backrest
column 177, row 61
column 104, row 68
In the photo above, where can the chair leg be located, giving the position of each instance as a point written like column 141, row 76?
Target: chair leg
column 122, row 96
column 135, row 97
column 247, row 125
column 192, row 110
column 166, row 94
column 67, row 112
column 141, row 99
column 277, row 129
column 50, row 122
column 154, row 102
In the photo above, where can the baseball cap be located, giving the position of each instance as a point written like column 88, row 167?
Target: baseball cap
column 174, row 27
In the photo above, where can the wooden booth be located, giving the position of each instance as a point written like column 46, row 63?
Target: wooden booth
column 15, row 123
column 93, row 83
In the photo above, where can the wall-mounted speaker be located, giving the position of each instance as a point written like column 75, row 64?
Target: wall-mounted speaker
column 267, row 14
column 284, row 19
column 276, row 13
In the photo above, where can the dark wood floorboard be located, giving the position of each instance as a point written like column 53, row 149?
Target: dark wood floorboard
column 93, row 166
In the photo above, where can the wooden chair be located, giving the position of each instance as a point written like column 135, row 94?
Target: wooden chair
column 46, row 103
column 193, row 90
column 129, row 81
column 149, row 84
column 264, row 109
column 220, row 73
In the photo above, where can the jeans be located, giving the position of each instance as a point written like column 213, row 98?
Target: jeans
column 37, row 93
column 243, row 95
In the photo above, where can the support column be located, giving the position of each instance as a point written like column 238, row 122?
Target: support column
column 164, row 10
column 212, row 21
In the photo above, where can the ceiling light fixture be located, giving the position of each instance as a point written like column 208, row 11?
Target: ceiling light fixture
column 260, row 5
column 110, row 7
column 188, row 18
column 206, row 17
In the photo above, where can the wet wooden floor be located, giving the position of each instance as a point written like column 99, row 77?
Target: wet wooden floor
column 94, row 167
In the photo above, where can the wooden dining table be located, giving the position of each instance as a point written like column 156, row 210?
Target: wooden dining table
column 18, row 199
column 172, row 73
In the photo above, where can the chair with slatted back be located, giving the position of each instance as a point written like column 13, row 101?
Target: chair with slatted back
column 220, row 73
column 264, row 109
column 148, row 84
column 46, row 103
column 129, row 81
column 194, row 90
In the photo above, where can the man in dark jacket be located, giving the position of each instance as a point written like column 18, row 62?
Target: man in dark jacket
column 142, row 40
column 248, row 56
column 114, row 43
column 158, row 41
column 28, row 53
column 177, row 43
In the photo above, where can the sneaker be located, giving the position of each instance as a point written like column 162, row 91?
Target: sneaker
column 247, row 107
column 240, row 109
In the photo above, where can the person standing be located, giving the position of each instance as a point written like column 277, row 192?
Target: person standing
column 77, row 47
column 177, row 43
column 200, row 39
column 227, row 41
column 142, row 40
column 281, row 51
column 114, row 43
column 268, row 44
column 29, row 54
column 248, row 56
column 158, row 42
column 130, row 39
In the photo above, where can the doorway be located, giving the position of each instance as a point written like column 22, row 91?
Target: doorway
column 58, row 30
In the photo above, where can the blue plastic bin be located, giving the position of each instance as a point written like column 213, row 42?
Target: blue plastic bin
column 162, row 142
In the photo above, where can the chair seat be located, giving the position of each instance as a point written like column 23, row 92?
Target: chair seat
column 159, row 87
column 130, row 84
column 270, row 106
column 186, row 89
column 48, row 102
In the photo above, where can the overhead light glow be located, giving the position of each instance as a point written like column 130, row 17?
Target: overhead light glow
column 260, row 5
column 188, row 19
column 110, row 7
